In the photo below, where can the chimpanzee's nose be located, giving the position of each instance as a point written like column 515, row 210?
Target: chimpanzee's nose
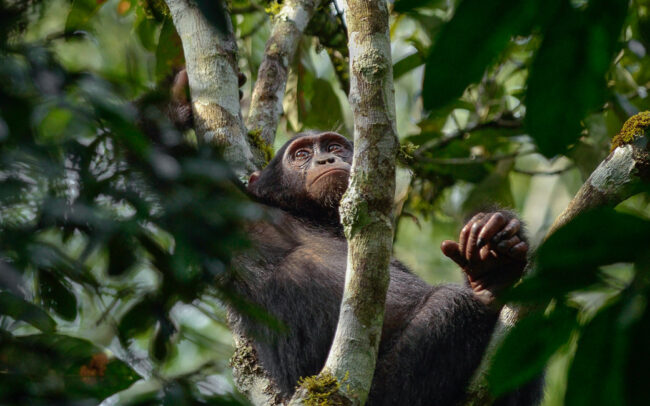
column 326, row 160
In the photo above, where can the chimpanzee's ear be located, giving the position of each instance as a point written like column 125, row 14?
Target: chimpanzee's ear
column 254, row 177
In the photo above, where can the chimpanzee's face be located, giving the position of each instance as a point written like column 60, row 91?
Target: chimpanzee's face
column 307, row 177
column 323, row 162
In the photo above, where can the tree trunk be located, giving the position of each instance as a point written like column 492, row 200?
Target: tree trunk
column 366, row 209
column 211, row 62
column 266, row 103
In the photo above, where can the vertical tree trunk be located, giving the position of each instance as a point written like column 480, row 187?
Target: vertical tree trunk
column 211, row 62
column 366, row 209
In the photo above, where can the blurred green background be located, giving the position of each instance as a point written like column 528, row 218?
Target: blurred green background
column 110, row 241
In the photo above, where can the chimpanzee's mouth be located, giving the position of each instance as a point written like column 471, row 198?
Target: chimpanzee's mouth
column 331, row 171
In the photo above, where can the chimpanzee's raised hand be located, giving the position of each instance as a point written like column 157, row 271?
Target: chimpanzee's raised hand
column 180, row 109
column 492, row 251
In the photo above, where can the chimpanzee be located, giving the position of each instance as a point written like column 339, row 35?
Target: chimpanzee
column 433, row 337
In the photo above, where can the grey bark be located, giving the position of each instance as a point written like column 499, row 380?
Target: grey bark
column 367, row 206
column 266, row 102
column 211, row 62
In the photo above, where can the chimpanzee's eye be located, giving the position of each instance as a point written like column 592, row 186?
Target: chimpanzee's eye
column 334, row 147
column 301, row 154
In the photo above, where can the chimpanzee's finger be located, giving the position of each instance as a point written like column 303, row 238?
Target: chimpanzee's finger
column 471, row 251
column 504, row 246
column 494, row 224
column 179, row 87
column 508, row 231
column 519, row 251
column 452, row 250
column 241, row 79
column 464, row 232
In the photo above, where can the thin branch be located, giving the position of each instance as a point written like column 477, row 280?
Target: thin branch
column 544, row 173
column 252, row 8
column 474, row 160
column 504, row 121
column 266, row 101
column 255, row 28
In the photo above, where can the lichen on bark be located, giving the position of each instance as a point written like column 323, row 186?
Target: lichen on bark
column 266, row 102
column 635, row 126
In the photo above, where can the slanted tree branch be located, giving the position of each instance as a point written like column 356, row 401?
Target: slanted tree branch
column 366, row 208
column 211, row 62
column 331, row 32
column 619, row 176
column 268, row 92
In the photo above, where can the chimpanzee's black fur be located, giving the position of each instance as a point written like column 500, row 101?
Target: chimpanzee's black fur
column 433, row 336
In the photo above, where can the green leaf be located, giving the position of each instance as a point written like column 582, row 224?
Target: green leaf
column 169, row 53
column 407, row 64
column 318, row 105
column 56, row 295
column 51, row 365
column 20, row 309
column 525, row 351
column 402, row 6
column 474, row 37
column 121, row 255
column 138, row 319
column 637, row 370
column 596, row 373
column 595, row 238
column 567, row 78
column 569, row 259
column 81, row 13
column 146, row 29
column 161, row 345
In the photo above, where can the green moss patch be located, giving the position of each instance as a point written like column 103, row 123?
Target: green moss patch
column 323, row 390
column 636, row 126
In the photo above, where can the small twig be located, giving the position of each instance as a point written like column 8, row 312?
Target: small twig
column 504, row 121
column 252, row 8
column 474, row 160
column 256, row 28
column 544, row 173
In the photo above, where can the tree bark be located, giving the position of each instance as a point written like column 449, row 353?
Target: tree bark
column 366, row 208
column 618, row 177
column 266, row 102
column 211, row 62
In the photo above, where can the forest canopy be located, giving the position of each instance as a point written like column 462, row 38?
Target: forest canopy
column 115, row 224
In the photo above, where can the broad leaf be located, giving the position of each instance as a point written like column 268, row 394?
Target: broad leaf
column 169, row 53
column 51, row 365
column 596, row 373
column 567, row 78
column 474, row 37
column 595, row 238
column 20, row 309
column 525, row 351
column 81, row 12
column 56, row 295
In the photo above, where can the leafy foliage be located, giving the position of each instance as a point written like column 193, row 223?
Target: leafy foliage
column 95, row 194
column 115, row 228
column 570, row 269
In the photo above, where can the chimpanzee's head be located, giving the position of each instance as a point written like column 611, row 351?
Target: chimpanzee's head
column 307, row 176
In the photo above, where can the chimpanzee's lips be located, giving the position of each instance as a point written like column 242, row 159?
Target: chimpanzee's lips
column 330, row 171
